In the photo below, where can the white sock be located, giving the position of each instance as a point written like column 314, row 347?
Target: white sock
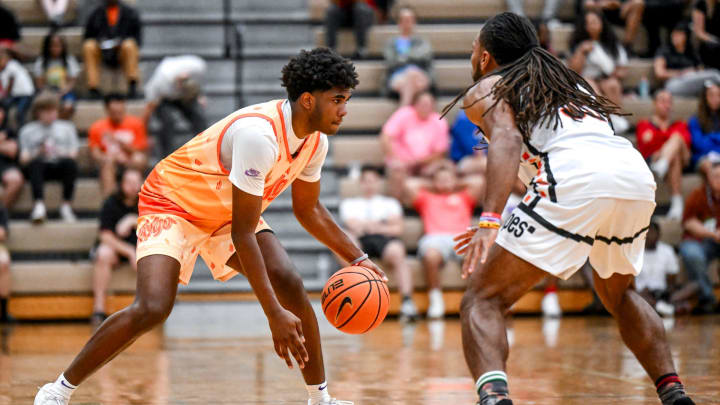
column 677, row 200
column 62, row 386
column 496, row 375
column 318, row 393
column 660, row 167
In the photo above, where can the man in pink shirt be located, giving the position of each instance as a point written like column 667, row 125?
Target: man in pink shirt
column 415, row 141
column 446, row 211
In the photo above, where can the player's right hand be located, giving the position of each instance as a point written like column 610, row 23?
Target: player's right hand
column 287, row 336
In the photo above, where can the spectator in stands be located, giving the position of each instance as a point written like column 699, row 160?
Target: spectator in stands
column 661, row 14
column 175, row 86
column 657, row 278
column 408, row 59
column 9, row 28
column 376, row 222
column 112, row 37
column 5, row 279
column 48, row 149
column 55, row 11
column 677, row 66
column 627, row 13
column 705, row 128
column 415, row 141
column 601, row 60
column 549, row 11
column 706, row 25
column 117, row 141
column 58, row 70
column 446, row 212
column 16, row 86
column 382, row 8
column 10, row 175
column 349, row 13
column 665, row 145
column 464, row 143
column 117, row 239
column 701, row 243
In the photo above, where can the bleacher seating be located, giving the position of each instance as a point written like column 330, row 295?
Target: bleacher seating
column 188, row 26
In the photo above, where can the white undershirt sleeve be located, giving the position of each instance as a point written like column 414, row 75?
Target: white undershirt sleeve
column 254, row 152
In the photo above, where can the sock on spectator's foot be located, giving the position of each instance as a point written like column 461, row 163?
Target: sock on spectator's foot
column 671, row 391
column 660, row 167
column 492, row 387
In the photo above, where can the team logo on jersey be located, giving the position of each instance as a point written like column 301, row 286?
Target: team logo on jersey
column 252, row 173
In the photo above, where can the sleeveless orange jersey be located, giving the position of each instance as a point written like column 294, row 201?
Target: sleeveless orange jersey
column 192, row 182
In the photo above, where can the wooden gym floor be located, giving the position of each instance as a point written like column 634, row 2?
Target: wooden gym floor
column 219, row 353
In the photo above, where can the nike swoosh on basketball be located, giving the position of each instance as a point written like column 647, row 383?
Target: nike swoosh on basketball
column 346, row 300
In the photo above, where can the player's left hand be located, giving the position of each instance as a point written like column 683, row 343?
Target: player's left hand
column 476, row 250
column 368, row 264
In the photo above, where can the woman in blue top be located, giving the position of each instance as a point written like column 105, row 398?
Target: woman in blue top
column 705, row 128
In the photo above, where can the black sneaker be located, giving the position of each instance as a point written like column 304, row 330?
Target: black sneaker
column 97, row 318
column 684, row 401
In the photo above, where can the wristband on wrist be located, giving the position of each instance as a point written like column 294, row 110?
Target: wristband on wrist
column 359, row 259
column 490, row 220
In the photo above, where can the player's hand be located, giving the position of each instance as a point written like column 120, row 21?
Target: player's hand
column 368, row 264
column 463, row 240
column 477, row 249
column 287, row 336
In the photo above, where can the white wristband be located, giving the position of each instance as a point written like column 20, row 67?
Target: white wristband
column 359, row 259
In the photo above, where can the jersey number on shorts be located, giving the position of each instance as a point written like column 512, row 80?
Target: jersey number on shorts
column 517, row 227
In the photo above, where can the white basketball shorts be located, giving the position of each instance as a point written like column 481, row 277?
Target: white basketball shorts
column 559, row 237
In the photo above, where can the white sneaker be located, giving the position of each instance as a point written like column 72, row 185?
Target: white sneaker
column 437, row 304
column 39, row 213
column 677, row 206
column 408, row 310
column 67, row 214
column 332, row 401
column 47, row 396
column 664, row 308
column 551, row 305
column 620, row 124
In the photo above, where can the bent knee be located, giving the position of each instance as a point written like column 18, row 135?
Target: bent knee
column 106, row 254
column 394, row 250
column 13, row 177
column 285, row 278
column 148, row 313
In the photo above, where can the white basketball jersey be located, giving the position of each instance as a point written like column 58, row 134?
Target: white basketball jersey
column 583, row 158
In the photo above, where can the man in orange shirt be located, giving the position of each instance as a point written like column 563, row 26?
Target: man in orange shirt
column 117, row 140
column 206, row 199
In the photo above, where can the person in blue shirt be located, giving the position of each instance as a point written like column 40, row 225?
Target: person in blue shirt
column 705, row 128
column 464, row 139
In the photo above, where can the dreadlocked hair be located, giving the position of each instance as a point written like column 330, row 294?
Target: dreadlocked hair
column 532, row 81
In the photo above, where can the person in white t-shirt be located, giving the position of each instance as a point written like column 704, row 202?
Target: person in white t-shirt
column 16, row 86
column 600, row 59
column 175, row 86
column 659, row 269
column 376, row 221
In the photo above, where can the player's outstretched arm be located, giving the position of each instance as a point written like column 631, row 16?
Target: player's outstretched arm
column 316, row 219
column 497, row 121
column 286, row 328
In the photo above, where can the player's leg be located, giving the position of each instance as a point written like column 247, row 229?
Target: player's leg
column 157, row 279
column 493, row 287
column 643, row 333
column 291, row 293
column 616, row 256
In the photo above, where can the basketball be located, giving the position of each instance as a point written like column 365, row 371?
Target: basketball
column 355, row 300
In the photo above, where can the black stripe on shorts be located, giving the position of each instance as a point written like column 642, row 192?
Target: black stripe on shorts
column 574, row 236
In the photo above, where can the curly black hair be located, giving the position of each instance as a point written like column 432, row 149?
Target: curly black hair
column 318, row 69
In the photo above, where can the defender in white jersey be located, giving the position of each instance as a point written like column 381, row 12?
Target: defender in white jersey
column 590, row 195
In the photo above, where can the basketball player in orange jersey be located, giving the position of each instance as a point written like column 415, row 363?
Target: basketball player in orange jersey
column 590, row 195
column 206, row 199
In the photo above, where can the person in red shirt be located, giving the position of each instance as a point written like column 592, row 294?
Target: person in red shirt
column 117, row 140
column 446, row 211
column 665, row 145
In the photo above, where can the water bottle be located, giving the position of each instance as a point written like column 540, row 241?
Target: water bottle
column 644, row 88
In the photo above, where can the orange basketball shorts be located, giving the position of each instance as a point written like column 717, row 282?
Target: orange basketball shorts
column 183, row 240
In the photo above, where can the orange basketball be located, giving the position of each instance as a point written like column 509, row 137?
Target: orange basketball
column 355, row 300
